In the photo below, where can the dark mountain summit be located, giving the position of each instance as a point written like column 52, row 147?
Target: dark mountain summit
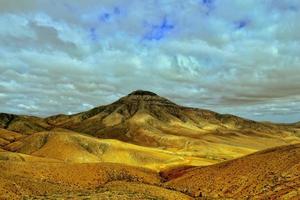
column 5, row 119
column 142, row 93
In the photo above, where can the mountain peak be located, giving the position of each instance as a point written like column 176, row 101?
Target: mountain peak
column 141, row 100
column 142, row 93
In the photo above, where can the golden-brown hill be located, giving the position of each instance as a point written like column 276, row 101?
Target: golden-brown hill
column 69, row 146
column 50, row 180
column 270, row 174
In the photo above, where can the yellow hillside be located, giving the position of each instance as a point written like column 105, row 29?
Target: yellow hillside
column 74, row 147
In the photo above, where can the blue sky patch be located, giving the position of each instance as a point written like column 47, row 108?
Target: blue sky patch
column 93, row 34
column 158, row 32
column 109, row 14
column 208, row 4
column 117, row 11
column 241, row 24
column 105, row 17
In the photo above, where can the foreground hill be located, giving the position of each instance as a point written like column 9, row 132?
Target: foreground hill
column 40, row 180
column 146, row 119
column 69, row 146
column 269, row 174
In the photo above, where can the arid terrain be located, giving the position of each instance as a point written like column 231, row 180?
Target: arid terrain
column 144, row 146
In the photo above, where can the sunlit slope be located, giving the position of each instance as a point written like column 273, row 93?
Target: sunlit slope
column 7, row 137
column 73, row 147
column 19, row 157
column 40, row 180
column 269, row 174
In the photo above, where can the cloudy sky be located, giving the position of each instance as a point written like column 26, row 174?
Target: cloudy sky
column 231, row 56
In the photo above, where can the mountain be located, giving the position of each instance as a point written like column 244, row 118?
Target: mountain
column 146, row 119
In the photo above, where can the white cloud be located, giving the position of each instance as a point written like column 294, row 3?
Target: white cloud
column 240, row 57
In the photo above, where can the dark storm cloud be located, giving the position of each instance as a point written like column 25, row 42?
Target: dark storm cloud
column 239, row 57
